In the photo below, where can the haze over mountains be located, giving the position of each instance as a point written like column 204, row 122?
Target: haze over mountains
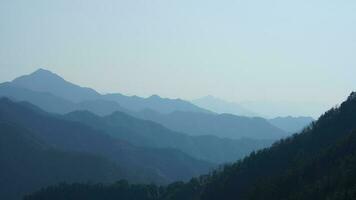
column 124, row 142
column 177, row 100
column 137, row 164
column 142, row 140
column 54, row 94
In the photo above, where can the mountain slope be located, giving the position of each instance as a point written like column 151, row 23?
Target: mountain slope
column 329, row 175
column 140, row 164
column 28, row 164
column 147, row 133
column 239, row 180
column 43, row 100
column 221, row 125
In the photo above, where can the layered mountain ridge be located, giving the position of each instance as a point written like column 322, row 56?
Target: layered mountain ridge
column 316, row 164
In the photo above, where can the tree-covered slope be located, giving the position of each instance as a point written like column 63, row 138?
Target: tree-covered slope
column 330, row 175
column 238, row 180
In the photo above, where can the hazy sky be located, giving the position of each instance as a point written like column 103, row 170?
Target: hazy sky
column 277, row 50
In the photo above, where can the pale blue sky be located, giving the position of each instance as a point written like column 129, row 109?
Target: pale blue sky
column 292, row 51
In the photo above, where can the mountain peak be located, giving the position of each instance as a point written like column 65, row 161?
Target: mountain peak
column 155, row 96
column 45, row 73
column 42, row 70
column 43, row 80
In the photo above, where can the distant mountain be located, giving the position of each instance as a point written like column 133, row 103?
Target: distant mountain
column 221, row 106
column 199, row 147
column 154, row 102
column 317, row 164
column 46, row 81
column 51, row 103
column 150, row 134
column 221, row 125
column 291, row 124
column 138, row 163
column 27, row 164
column 177, row 114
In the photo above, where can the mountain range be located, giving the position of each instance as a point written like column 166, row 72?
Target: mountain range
column 46, row 81
column 39, row 131
column 54, row 94
column 150, row 134
column 316, row 164
column 221, row 125
column 143, row 140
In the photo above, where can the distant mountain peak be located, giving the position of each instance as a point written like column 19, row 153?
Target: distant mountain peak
column 40, row 74
column 43, row 80
column 42, row 70
column 45, row 73
column 155, row 96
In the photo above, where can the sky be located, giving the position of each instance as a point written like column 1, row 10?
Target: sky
column 297, row 52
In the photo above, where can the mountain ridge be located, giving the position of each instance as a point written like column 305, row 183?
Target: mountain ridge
column 221, row 125
column 73, row 136
column 46, row 81
column 142, row 132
